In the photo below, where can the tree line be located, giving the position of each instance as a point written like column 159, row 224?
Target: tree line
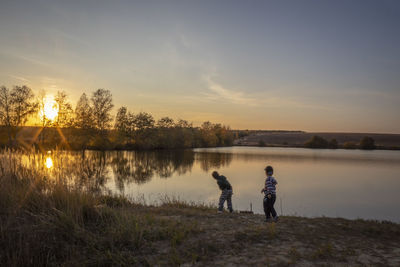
column 91, row 124
column 316, row 141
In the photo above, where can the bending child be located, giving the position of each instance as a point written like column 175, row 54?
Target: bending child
column 226, row 193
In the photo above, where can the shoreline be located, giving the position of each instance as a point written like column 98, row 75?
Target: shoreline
column 114, row 231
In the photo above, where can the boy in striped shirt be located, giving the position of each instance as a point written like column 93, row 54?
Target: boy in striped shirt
column 269, row 195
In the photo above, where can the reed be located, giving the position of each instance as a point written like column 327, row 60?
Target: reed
column 46, row 221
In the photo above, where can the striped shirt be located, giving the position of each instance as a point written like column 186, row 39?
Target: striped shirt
column 270, row 187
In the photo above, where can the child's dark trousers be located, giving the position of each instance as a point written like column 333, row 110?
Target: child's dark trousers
column 269, row 206
column 225, row 195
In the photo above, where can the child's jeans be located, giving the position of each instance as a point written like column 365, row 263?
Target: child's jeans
column 269, row 206
column 225, row 195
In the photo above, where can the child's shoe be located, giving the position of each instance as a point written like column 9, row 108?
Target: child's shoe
column 276, row 218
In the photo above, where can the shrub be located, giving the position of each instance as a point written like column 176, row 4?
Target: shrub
column 350, row 145
column 333, row 144
column 317, row 142
column 367, row 143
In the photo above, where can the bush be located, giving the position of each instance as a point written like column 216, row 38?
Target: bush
column 261, row 143
column 350, row 145
column 333, row 144
column 317, row 142
column 367, row 143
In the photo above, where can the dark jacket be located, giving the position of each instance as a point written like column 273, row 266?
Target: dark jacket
column 223, row 183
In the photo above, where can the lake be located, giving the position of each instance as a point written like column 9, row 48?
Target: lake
column 311, row 182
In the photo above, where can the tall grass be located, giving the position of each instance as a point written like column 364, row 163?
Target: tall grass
column 50, row 221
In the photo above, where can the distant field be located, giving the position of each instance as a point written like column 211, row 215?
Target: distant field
column 298, row 139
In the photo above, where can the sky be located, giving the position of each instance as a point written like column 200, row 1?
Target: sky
column 307, row 65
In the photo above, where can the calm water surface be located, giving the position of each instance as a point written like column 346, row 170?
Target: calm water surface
column 335, row 183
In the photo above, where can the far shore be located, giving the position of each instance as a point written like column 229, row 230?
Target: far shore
column 297, row 139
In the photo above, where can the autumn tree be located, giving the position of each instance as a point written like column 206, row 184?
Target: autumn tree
column 208, row 137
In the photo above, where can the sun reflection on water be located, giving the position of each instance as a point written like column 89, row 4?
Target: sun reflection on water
column 49, row 162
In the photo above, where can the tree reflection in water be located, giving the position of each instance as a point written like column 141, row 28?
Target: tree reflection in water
column 140, row 166
column 93, row 170
column 210, row 161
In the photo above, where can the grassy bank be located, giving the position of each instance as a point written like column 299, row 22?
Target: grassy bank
column 50, row 222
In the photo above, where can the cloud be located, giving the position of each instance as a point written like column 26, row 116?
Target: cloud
column 219, row 92
column 19, row 78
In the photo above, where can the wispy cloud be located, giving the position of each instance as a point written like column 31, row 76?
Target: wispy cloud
column 218, row 92
column 19, row 78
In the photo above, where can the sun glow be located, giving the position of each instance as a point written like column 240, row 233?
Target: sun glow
column 49, row 109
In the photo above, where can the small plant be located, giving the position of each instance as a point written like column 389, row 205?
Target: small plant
column 271, row 229
column 323, row 252
column 294, row 255
column 317, row 142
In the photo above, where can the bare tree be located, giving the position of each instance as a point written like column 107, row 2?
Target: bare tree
column 122, row 120
column 83, row 113
column 165, row 122
column 15, row 108
column 41, row 106
column 102, row 106
column 143, row 121
column 6, row 110
column 83, row 120
column 64, row 117
column 183, row 124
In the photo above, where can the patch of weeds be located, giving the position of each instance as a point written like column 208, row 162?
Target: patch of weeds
column 177, row 237
column 257, row 234
column 200, row 250
column 271, row 230
column 346, row 253
column 240, row 236
column 114, row 201
column 325, row 251
column 174, row 258
column 349, row 252
column 294, row 255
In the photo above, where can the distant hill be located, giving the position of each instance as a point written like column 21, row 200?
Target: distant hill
column 298, row 138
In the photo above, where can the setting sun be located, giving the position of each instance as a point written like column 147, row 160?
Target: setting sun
column 49, row 109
